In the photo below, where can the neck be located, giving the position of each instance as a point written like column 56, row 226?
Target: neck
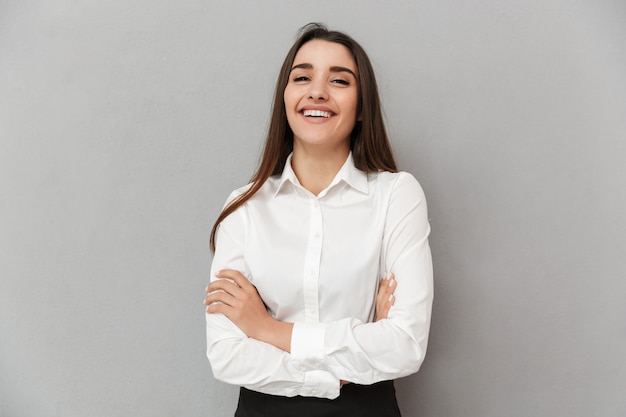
column 316, row 168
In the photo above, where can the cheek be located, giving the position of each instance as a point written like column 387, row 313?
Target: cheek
column 289, row 98
column 350, row 102
column 290, row 104
column 351, row 106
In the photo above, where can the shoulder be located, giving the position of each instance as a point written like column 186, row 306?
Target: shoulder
column 398, row 183
column 237, row 192
column 267, row 190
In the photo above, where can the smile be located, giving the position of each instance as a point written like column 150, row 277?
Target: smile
column 316, row 113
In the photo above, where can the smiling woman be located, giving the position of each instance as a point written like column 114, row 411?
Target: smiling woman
column 321, row 104
column 321, row 282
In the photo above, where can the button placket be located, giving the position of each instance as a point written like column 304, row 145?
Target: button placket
column 312, row 262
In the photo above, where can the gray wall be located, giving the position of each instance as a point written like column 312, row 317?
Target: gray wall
column 124, row 125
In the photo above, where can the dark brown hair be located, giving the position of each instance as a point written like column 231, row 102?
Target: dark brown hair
column 371, row 150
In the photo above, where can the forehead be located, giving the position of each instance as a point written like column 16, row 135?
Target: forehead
column 321, row 53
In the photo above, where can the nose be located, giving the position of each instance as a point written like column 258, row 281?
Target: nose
column 318, row 90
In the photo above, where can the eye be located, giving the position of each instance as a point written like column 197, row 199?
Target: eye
column 301, row 78
column 340, row 81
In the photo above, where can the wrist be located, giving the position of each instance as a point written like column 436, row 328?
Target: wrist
column 276, row 333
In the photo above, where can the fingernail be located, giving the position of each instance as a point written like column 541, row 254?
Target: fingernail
column 391, row 297
column 391, row 282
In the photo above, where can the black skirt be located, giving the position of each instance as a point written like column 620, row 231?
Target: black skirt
column 377, row 400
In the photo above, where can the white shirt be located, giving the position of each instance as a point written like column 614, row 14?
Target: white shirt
column 316, row 262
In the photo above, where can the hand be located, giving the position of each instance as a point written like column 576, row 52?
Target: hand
column 385, row 297
column 239, row 300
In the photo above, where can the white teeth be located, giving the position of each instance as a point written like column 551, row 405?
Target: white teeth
column 316, row 113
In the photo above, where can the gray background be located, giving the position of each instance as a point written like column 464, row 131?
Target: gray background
column 124, row 125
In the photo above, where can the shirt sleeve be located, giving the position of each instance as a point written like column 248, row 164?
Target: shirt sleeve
column 239, row 360
column 366, row 353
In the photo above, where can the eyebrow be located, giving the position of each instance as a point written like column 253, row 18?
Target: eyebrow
column 332, row 69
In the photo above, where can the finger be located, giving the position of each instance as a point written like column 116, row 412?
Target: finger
column 219, row 308
column 391, row 284
column 223, row 291
column 390, row 290
column 221, row 297
column 383, row 308
column 389, row 278
column 247, row 291
column 390, row 301
column 241, row 296
column 387, row 287
column 226, row 286
column 234, row 275
column 385, row 297
column 382, row 292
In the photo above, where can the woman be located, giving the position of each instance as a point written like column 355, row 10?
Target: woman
column 321, row 287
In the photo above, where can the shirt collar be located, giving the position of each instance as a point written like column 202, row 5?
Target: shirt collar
column 287, row 176
column 348, row 173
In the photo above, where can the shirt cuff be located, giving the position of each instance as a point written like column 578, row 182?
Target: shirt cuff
column 307, row 346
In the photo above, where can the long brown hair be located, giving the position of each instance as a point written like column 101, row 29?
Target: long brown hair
column 371, row 150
